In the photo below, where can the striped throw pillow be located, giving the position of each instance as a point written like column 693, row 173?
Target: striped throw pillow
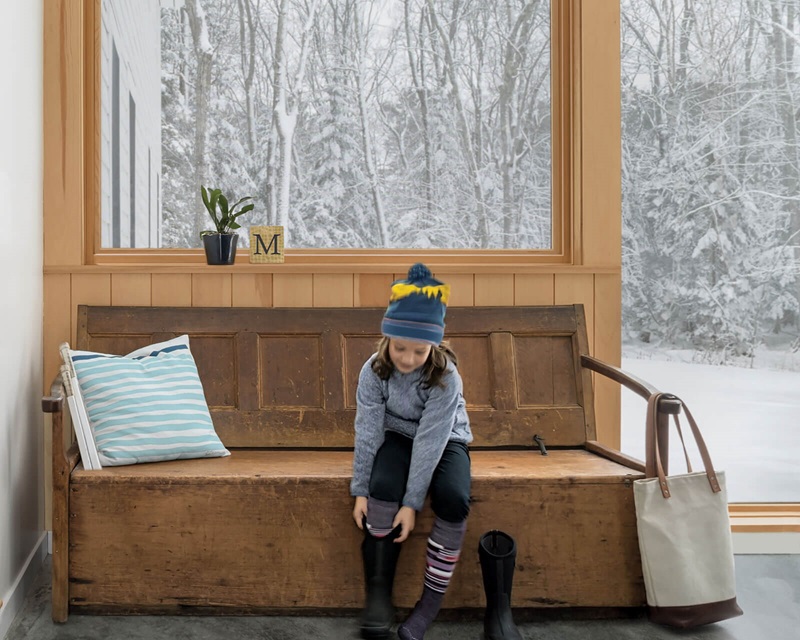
column 148, row 406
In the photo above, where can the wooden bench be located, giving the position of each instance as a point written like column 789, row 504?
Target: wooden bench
column 246, row 534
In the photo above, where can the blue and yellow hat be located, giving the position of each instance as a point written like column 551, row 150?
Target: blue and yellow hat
column 416, row 307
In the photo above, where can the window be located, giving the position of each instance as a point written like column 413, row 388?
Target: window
column 405, row 125
column 711, row 234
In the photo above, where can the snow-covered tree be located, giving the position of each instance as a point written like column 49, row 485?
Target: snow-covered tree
column 709, row 165
column 363, row 123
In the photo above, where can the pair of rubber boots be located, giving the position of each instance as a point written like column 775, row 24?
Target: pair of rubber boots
column 497, row 552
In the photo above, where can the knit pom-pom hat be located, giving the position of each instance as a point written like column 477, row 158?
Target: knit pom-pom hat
column 416, row 307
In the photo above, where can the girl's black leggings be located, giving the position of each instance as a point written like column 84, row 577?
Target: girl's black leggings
column 450, row 485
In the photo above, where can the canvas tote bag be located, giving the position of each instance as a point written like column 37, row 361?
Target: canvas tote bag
column 684, row 536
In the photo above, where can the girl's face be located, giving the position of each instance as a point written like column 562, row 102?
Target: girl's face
column 407, row 355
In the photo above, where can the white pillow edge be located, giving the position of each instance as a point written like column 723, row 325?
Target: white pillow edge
column 145, row 351
column 142, row 351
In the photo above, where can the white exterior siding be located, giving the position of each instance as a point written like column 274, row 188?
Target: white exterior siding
column 134, row 28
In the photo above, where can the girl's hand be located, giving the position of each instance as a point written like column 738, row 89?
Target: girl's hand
column 360, row 511
column 406, row 518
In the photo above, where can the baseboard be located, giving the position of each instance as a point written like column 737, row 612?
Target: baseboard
column 14, row 598
column 766, row 543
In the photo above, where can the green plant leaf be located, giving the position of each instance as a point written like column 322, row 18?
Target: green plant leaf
column 212, row 208
column 223, row 205
column 215, row 194
column 234, row 225
column 233, row 208
column 244, row 209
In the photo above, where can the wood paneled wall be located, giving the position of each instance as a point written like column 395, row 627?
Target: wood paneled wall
column 598, row 291
column 591, row 166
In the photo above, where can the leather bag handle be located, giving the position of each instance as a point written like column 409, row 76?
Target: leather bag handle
column 683, row 443
column 653, row 448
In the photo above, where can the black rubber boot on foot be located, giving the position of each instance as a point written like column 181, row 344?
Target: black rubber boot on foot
column 498, row 552
column 380, row 560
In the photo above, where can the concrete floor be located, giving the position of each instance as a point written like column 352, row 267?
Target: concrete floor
column 768, row 590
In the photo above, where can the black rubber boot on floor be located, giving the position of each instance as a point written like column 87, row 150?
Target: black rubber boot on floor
column 498, row 553
column 380, row 560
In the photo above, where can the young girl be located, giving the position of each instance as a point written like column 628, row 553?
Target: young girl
column 412, row 433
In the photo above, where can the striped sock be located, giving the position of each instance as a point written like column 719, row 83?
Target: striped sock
column 380, row 515
column 444, row 549
column 440, row 565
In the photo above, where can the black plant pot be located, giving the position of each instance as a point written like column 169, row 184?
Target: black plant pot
column 220, row 247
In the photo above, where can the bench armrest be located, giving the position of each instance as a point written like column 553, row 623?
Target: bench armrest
column 65, row 457
column 55, row 401
column 617, row 456
column 668, row 403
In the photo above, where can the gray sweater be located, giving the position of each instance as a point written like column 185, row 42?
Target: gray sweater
column 430, row 416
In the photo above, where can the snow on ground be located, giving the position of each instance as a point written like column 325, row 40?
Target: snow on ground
column 750, row 419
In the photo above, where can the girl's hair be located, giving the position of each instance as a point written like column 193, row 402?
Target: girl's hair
column 432, row 371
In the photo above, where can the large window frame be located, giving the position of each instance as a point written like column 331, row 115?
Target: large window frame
column 565, row 136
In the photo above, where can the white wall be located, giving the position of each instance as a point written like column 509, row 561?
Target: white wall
column 21, row 420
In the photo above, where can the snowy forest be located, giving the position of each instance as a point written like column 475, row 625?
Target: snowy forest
column 361, row 123
column 711, row 174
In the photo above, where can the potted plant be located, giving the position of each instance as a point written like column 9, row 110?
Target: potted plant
column 220, row 242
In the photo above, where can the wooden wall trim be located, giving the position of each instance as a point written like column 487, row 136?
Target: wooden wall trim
column 92, row 134
column 63, row 110
column 600, row 207
column 243, row 267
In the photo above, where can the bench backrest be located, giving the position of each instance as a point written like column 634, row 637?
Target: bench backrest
column 286, row 377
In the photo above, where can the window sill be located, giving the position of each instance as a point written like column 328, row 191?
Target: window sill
column 191, row 261
column 765, row 518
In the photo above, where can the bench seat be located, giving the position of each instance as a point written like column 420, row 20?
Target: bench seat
column 232, row 516
column 257, row 466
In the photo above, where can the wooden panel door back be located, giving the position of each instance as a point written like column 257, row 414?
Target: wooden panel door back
column 284, row 379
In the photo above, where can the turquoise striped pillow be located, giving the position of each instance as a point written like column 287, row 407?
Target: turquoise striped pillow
column 148, row 406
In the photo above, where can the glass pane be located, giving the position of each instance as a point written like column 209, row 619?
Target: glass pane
column 711, row 230
column 355, row 124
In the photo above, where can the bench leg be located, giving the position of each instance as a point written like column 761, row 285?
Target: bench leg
column 61, row 472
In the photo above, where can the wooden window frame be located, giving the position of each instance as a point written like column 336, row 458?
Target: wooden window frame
column 565, row 148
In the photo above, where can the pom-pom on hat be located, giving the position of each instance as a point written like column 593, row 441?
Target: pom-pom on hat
column 416, row 307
